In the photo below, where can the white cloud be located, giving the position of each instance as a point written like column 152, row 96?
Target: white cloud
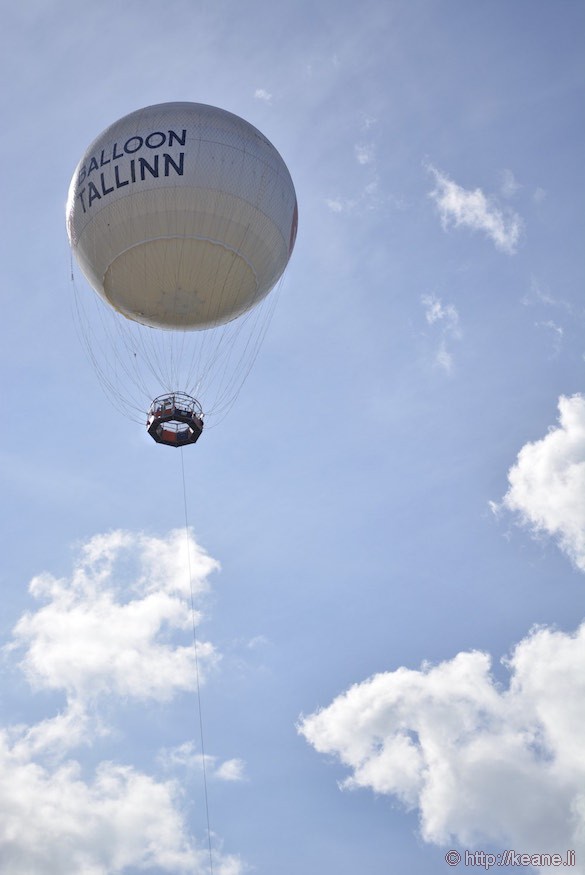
column 364, row 153
column 55, row 736
column 436, row 311
column 547, row 483
column 446, row 318
column 444, row 358
column 108, row 629
column 508, row 186
column 186, row 756
column 262, row 94
column 538, row 295
column 257, row 641
column 53, row 822
column 368, row 122
column 472, row 209
column 231, row 770
column 368, row 199
column 340, row 204
column 556, row 331
column 480, row 764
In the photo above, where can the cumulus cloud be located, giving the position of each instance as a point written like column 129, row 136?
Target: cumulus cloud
column 55, row 736
column 481, row 764
column 547, row 483
column 472, row 209
column 446, row 318
column 53, row 822
column 108, row 628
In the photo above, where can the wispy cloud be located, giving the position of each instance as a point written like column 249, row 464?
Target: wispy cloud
column 509, row 186
column 367, row 200
column 263, row 94
column 368, row 195
column 538, row 294
column 547, row 482
column 446, row 319
column 364, row 153
column 186, row 756
column 556, row 332
column 341, row 204
column 231, row 770
column 444, row 358
column 448, row 741
column 436, row 311
column 368, row 121
column 542, row 298
column 472, row 209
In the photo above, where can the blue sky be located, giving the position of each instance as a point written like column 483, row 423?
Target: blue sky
column 396, row 499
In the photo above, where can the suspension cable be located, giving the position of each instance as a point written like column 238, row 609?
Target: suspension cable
column 195, row 648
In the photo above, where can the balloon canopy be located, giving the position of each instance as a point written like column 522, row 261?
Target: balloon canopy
column 182, row 216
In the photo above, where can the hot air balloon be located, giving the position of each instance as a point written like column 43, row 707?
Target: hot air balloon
column 182, row 217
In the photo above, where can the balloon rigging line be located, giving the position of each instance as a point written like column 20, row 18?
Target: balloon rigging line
column 211, row 365
column 187, row 539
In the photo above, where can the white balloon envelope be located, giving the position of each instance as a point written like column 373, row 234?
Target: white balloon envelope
column 182, row 216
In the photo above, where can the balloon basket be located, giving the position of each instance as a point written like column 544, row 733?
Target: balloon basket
column 175, row 420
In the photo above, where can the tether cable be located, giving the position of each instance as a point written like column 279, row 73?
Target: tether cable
column 188, row 542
